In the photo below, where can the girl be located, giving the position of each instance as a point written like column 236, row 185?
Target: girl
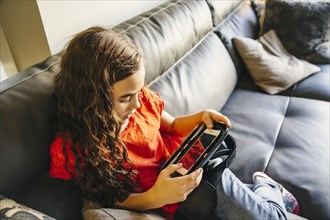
column 114, row 133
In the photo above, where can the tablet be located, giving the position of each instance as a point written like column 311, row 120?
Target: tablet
column 197, row 148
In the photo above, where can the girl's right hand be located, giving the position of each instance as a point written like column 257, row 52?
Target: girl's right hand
column 169, row 190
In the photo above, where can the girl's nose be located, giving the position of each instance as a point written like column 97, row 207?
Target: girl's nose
column 135, row 103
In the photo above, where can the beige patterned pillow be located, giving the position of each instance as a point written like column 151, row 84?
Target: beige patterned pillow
column 270, row 65
column 9, row 209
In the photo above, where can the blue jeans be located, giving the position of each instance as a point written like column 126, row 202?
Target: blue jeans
column 261, row 201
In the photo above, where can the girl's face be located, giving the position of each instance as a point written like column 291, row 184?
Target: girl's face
column 126, row 94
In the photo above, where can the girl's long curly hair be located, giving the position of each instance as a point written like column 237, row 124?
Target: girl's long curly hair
column 92, row 62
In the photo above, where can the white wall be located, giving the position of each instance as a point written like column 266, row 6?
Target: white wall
column 63, row 18
column 3, row 74
column 25, row 42
column 7, row 63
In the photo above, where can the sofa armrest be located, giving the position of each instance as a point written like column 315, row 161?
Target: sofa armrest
column 94, row 211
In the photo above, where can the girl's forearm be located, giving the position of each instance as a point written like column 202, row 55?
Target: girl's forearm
column 139, row 202
column 182, row 126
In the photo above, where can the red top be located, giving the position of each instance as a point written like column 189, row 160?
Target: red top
column 148, row 148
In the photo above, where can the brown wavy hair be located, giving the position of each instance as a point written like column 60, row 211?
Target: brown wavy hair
column 92, row 62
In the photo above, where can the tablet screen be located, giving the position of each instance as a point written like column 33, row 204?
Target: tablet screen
column 191, row 156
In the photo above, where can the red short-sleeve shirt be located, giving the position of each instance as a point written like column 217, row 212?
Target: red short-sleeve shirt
column 148, row 148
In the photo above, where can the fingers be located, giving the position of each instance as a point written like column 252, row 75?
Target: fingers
column 189, row 182
column 197, row 175
column 168, row 190
column 211, row 115
column 208, row 120
column 224, row 119
column 193, row 179
column 170, row 169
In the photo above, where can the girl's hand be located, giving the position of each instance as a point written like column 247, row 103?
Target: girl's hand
column 209, row 115
column 168, row 190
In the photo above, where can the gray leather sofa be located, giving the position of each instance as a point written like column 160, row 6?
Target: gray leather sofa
column 192, row 62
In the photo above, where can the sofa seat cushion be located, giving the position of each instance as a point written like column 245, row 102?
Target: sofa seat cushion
column 254, row 128
column 315, row 86
column 275, row 134
column 193, row 84
column 302, row 149
column 57, row 198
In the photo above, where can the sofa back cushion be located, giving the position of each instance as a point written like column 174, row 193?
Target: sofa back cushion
column 220, row 9
column 27, row 111
column 204, row 78
column 165, row 33
column 242, row 22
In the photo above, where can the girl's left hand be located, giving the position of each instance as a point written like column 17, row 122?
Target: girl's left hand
column 210, row 115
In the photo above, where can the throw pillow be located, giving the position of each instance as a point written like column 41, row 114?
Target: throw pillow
column 9, row 209
column 303, row 26
column 259, row 6
column 271, row 67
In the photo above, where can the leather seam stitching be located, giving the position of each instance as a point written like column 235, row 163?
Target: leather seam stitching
column 153, row 14
column 29, row 77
